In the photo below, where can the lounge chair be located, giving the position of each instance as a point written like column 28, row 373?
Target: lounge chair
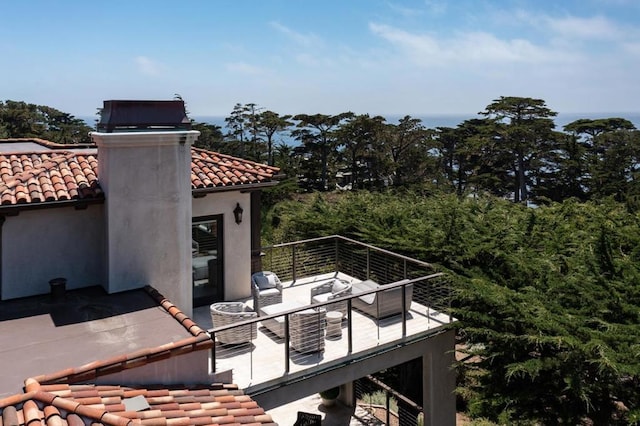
column 382, row 304
column 330, row 290
column 266, row 289
column 225, row 313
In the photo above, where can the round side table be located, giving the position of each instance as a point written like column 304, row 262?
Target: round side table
column 334, row 324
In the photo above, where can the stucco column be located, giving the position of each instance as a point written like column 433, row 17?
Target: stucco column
column 147, row 185
column 439, row 381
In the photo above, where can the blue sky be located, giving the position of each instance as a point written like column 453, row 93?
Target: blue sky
column 367, row 56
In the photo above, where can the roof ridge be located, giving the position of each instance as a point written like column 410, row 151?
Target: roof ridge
column 190, row 325
column 47, row 143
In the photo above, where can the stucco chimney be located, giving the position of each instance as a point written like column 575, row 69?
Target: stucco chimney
column 144, row 168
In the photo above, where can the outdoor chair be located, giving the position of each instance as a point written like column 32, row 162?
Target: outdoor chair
column 308, row 419
column 266, row 289
column 332, row 290
column 383, row 303
column 225, row 313
column 306, row 330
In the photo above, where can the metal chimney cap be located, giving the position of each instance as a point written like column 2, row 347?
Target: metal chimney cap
column 140, row 115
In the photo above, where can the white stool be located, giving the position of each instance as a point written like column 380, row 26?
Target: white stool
column 334, row 324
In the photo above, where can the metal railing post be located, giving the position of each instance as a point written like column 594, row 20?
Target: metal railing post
column 287, row 357
column 336, row 254
column 404, row 273
column 388, row 407
column 368, row 263
column 294, row 263
column 349, row 328
column 213, row 352
column 448, row 287
column 404, row 311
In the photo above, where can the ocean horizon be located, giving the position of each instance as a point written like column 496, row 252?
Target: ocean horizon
column 430, row 121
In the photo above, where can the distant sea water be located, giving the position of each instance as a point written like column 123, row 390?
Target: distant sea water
column 429, row 121
column 452, row 120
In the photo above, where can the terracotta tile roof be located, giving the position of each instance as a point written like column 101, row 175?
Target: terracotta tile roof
column 45, row 177
column 65, row 404
column 61, row 173
column 213, row 170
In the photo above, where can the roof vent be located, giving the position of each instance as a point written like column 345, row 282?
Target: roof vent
column 132, row 116
column 136, row 403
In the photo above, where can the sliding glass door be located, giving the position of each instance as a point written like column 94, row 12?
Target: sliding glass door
column 207, row 253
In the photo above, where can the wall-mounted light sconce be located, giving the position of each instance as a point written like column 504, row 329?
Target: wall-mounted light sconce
column 237, row 213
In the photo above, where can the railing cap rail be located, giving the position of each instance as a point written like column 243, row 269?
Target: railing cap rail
column 340, row 237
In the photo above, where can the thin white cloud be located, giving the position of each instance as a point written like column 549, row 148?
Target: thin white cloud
column 632, row 48
column 244, row 68
column 436, row 7
column 407, row 12
column 147, row 66
column 593, row 28
column 304, row 40
column 477, row 47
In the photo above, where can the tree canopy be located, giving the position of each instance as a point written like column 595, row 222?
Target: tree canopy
column 24, row 120
column 548, row 298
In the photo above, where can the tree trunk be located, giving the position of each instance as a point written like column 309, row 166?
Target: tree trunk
column 324, row 166
column 521, row 179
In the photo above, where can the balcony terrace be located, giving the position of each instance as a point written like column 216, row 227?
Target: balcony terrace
column 269, row 362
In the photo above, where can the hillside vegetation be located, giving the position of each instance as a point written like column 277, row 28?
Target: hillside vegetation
column 547, row 297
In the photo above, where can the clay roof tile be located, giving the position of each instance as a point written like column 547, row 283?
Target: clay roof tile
column 60, row 175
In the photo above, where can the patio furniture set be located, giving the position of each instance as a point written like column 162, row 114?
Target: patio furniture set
column 307, row 328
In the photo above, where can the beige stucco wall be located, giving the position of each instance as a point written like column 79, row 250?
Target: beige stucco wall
column 237, row 239
column 146, row 180
column 38, row 245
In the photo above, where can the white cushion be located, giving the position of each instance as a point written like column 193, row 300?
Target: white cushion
column 269, row 292
column 319, row 298
column 338, row 286
column 273, row 283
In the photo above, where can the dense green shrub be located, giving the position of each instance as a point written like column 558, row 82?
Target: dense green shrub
column 548, row 298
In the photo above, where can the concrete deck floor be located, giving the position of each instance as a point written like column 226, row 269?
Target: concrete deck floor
column 269, row 350
column 264, row 359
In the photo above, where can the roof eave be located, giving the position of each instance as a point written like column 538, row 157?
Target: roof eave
column 14, row 209
column 242, row 188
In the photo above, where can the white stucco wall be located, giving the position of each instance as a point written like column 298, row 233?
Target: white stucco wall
column 146, row 180
column 38, row 245
column 236, row 239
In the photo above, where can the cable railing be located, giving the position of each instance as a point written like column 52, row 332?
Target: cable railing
column 406, row 300
column 385, row 404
